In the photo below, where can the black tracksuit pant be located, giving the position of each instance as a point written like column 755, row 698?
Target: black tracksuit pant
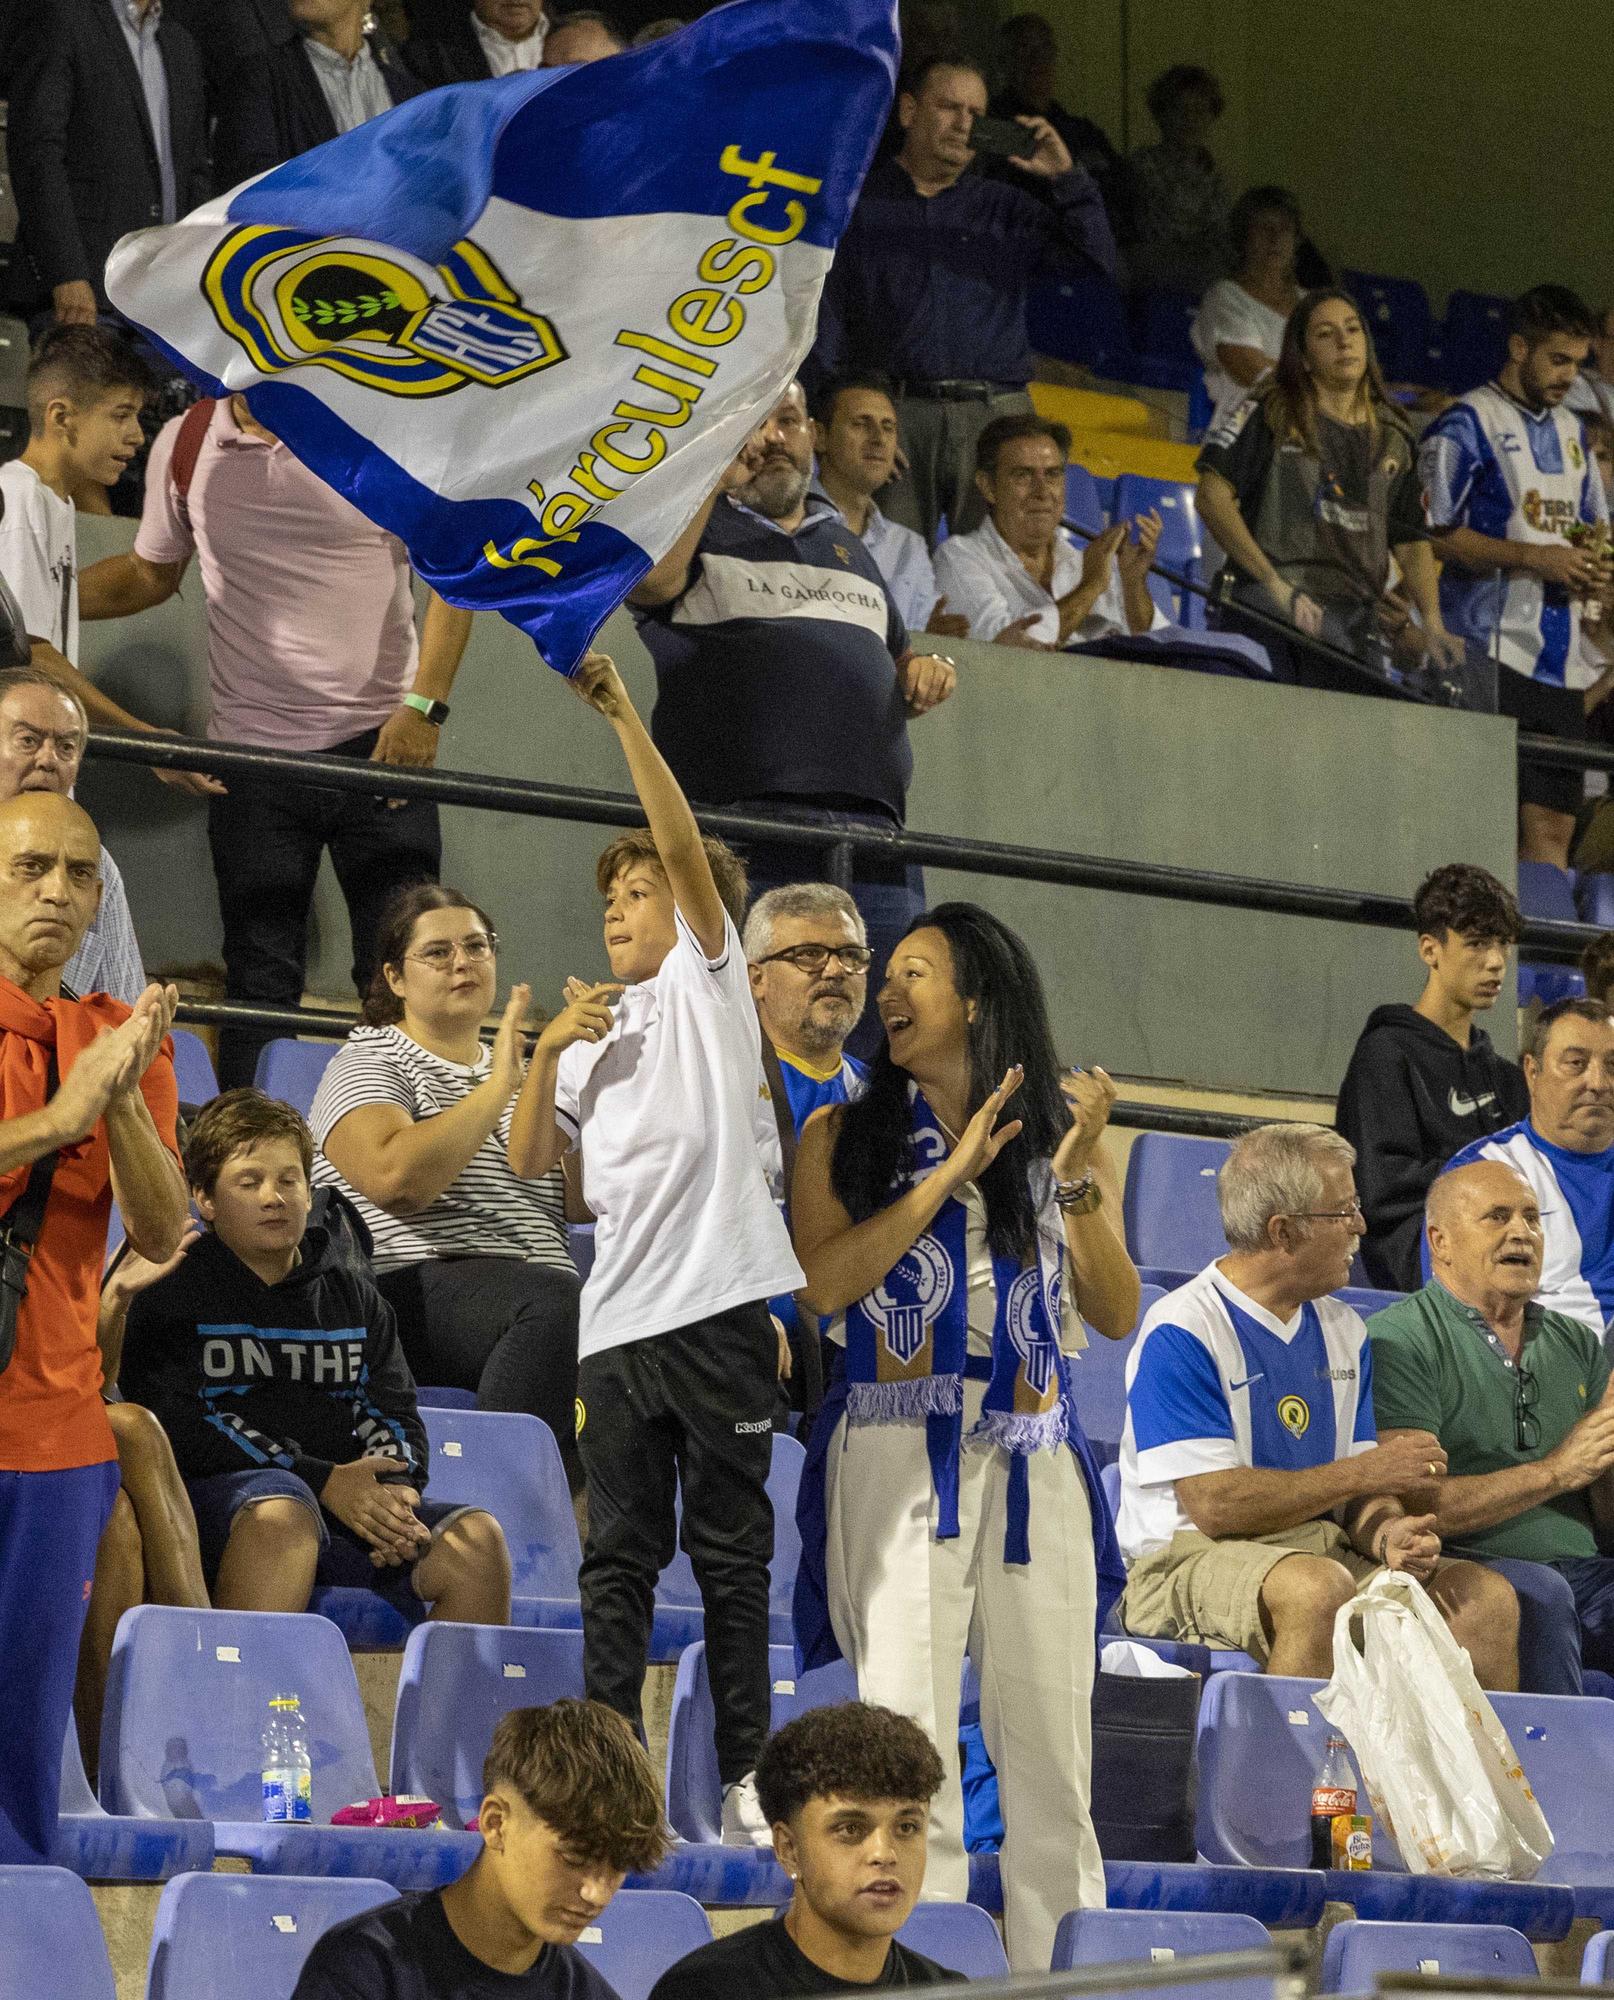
column 694, row 1408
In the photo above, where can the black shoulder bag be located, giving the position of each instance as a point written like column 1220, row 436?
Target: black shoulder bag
column 19, row 1232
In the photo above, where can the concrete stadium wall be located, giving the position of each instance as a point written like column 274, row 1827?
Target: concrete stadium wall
column 1096, row 756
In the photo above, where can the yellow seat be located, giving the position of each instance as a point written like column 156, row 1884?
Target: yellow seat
column 1109, row 454
column 1089, row 409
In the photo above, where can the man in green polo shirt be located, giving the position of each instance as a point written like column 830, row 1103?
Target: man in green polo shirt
column 1519, row 1399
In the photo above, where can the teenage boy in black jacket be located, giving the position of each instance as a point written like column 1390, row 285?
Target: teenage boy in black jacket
column 1424, row 1081
column 275, row 1368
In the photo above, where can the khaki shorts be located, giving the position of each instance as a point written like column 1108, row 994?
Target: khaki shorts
column 1210, row 1592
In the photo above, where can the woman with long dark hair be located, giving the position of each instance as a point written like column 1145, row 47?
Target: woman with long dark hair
column 1312, row 484
column 959, row 1221
column 412, row 1121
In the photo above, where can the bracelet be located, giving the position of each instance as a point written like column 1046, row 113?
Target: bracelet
column 1078, row 1197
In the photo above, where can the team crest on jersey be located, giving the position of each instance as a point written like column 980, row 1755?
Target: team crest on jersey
column 1294, row 1413
column 374, row 314
column 1577, row 458
column 844, row 554
column 911, row 1298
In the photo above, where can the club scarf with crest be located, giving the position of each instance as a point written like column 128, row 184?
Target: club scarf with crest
column 525, row 323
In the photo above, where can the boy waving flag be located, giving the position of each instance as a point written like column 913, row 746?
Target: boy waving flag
column 524, row 324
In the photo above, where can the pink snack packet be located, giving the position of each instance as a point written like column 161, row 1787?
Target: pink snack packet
column 402, row 1809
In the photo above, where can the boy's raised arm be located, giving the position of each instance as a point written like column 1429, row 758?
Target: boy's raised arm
column 672, row 824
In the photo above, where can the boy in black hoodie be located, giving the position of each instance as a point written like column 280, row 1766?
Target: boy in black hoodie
column 274, row 1366
column 1424, row 1081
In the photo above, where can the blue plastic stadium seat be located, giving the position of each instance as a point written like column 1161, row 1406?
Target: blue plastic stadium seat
column 432, row 1398
column 641, row 1935
column 960, row 1937
column 193, row 1069
column 694, row 1792
column 1164, row 321
column 50, row 1937
column 291, row 1070
column 1548, row 892
column 1595, row 1967
column 1081, row 320
column 1594, row 898
column 455, row 1684
column 1170, row 1206
column 1541, row 985
column 1365, row 1300
column 187, row 1696
column 1111, row 1937
column 1098, row 1381
column 103, row 1847
column 1181, row 544
column 1397, row 311
column 1084, row 499
column 1356, row 1952
column 1473, row 339
column 509, row 1463
column 580, row 1241
column 1260, row 1743
column 245, row 1934
column 1280, row 1898
column 680, row 1621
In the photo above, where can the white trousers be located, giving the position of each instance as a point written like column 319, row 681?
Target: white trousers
column 906, row 1608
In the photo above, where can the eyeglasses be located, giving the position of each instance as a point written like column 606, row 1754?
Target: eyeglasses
column 1526, row 1394
column 475, row 950
column 1351, row 1214
column 812, row 958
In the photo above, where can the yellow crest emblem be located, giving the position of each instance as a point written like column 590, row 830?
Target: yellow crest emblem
column 1294, row 1413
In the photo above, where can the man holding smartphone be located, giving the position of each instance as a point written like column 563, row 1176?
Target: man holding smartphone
column 931, row 276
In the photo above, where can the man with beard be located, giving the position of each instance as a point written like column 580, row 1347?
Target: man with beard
column 784, row 676
column 1509, row 488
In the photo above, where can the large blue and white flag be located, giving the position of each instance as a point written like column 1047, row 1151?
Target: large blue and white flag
column 524, row 324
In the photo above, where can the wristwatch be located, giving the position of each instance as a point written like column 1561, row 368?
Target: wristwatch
column 435, row 712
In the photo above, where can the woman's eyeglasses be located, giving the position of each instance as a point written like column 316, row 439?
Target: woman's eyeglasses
column 812, row 958
column 474, row 950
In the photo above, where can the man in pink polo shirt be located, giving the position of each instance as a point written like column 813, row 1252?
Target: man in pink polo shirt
column 311, row 646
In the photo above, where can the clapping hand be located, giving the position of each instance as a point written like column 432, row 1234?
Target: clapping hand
column 1090, row 1094
column 1136, row 552
column 983, row 1137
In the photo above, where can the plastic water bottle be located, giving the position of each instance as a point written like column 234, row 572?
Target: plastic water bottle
column 288, row 1770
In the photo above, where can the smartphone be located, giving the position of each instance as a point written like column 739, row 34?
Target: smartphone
column 1003, row 139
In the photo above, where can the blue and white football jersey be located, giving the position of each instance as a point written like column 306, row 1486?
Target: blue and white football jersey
column 1575, row 1192
column 1215, row 1382
column 1492, row 465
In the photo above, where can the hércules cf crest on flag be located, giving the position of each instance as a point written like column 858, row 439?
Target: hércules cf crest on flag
column 525, row 323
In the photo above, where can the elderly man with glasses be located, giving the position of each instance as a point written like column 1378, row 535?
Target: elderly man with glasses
column 1256, row 1494
column 1517, row 1394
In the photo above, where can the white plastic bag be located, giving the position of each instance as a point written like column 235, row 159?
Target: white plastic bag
column 1441, row 1775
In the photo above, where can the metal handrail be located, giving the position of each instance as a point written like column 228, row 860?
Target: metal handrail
column 1283, row 1964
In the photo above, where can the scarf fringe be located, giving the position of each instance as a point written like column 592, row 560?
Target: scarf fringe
column 1020, row 1433
column 904, row 1402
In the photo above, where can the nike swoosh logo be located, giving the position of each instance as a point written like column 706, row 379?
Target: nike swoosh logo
column 1465, row 1107
column 1247, row 1381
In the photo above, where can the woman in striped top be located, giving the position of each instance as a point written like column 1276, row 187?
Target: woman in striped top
column 412, row 1121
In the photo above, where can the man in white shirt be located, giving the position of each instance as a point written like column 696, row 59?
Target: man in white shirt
column 855, row 436
column 1020, row 578
column 679, row 1357
column 493, row 38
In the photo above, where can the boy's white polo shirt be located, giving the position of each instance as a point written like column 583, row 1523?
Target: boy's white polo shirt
column 685, row 1225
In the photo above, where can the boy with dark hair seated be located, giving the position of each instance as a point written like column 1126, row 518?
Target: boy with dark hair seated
column 571, row 1804
column 274, row 1366
column 847, row 1791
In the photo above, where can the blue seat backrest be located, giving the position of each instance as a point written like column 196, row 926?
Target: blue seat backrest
column 193, row 1069
column 1594, row 898
column 677, row 1583
column 1365, row 1300
column 455, row 1685
column 1397, row 313
column 643, row 1933
column 1180, row 546
column 50, row 1937
column 247, row 1934
column 1170, row 1203
column 1111, row 1937
column 1098, row 1380
column 1080, row 319
column 1474, row 338
column 508, row 1463
column 960, row 1937
column 291, row 1070
column 187, row 1698
column 694, row 1792
column 1356, row 1952
column 1084, row 499
column 1164, row 321
column 1548, row 892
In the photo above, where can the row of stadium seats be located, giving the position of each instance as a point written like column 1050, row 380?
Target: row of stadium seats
column 226, row 1934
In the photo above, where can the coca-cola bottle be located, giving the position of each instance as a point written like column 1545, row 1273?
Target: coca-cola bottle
column 1333, row 1792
